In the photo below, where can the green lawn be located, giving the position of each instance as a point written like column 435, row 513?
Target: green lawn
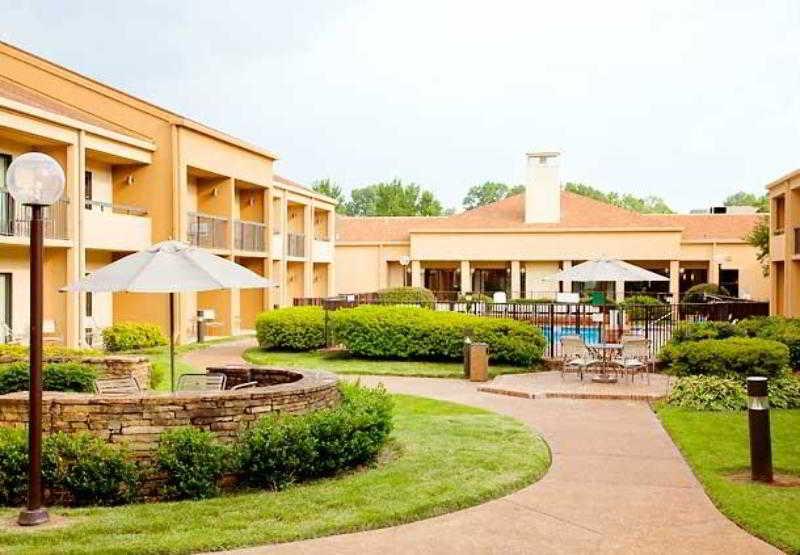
column 716, row 446
column 443, row 457
column 342, row 363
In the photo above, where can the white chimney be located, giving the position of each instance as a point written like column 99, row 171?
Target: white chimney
column 542, row 188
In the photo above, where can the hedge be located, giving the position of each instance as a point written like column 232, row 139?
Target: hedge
column 408, row 332
column 737, row 356
column 300, row 328
column 128, row 336
column 716, row 393
column 56, row 376
column 192, row 461
column 84, row 469
column 402, row 295
column 50, row 352
column 283, row 449
column 777, row 328
column 642, row 307
column 699, row 331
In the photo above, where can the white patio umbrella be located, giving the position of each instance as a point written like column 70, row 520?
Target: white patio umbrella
column 170, row 267
column 604, row 269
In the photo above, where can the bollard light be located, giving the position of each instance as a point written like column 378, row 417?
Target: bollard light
column 35, row 180
column 758, row 421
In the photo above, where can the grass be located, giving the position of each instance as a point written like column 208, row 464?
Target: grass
column 445, row 457
column 343, row 363
column 716, row 446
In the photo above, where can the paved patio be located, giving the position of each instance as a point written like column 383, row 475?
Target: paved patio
column 617, row 484
column 544, row 385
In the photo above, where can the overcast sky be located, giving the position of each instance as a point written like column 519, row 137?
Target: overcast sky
column 689, row 100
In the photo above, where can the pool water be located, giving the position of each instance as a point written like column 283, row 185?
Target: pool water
column 588, row 334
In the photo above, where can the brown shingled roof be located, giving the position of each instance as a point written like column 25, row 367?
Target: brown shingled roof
column 577, row 211
column 21, row 94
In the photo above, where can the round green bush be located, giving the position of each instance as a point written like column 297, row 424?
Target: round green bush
column 56, row 376
column 299, row 328
column 777, row 328
column 282, row 449
column 409, row 295
column 13, row 466
column 644, row 307
column 697, row 293
column 89, row 470
column 193, row 461
column 408, row 332
column 734, row 356
column 698, row 331
column 128, row 336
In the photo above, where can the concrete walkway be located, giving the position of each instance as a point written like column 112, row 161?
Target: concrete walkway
column 617, row 484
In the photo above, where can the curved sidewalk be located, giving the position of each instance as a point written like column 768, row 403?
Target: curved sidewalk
column 617, row 484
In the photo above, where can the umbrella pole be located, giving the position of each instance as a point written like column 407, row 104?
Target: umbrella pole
column 172, row 341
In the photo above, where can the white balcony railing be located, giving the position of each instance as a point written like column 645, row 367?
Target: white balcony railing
column 322, row 251
column 115, row 226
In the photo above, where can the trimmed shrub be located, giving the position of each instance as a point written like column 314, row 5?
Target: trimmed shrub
column 699, row 331
column 20, row 352
column 299, row 328
column 408, row 332
column 734, row 356
column 89, row 470
column 697, row 293
column 56, row 376
column 643, row 307
column 193, row 461
column 777, row 328
column 406, row 295
column 13, row 466
column 784, row 391
column 282, row 449
column 127, row 336
column 708, row 393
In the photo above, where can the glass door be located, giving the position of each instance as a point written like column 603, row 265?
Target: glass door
column 5, row 307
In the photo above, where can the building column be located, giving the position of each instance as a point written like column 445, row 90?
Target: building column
column 76, row 255
column 619, row 291
column 283, row 296
column 567, row 285
column 713, row 271
column 331, row 280
column 516, row 280
column 675, row 280
column 466, row 277
column 416, row 273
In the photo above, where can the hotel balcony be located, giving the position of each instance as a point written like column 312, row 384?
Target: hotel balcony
column 296, row 245
column 322, row 248
column 249, row 236
column 15, row 219
column 111, row 226
column 207, row 231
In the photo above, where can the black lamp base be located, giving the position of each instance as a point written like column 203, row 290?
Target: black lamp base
column 28, row 517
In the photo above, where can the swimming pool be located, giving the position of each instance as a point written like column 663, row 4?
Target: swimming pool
column 588, row 334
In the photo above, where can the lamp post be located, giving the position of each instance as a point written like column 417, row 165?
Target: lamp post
column 35, row 180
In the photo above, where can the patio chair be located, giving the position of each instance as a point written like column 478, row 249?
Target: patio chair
column 7, row 335
column 202, row 382
column 246, row 385
column 117, row 386
column 635, row 357
column 575, row 355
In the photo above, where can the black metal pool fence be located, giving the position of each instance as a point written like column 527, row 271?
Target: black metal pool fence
column 594, row 323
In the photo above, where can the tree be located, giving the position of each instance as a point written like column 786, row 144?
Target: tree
column 748, row 199
column 489, row 192
column 329, row 188
column 392, row 199
column 645, row 205
column 758, row 237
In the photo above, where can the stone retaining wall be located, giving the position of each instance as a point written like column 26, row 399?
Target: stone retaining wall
column 111, row 366
column 138, row 420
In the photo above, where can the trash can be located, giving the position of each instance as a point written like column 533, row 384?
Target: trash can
column 477, row 361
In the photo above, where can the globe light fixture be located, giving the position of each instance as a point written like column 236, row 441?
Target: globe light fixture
column 35, row 180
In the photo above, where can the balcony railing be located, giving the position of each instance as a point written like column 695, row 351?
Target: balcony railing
column 295, row 244
column 321, row 235
column 15, row 220
column 207, row 231
column 103, row 206
column 797, row 240
column 249, row 236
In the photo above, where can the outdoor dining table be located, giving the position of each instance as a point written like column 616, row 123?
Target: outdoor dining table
column 606, row 352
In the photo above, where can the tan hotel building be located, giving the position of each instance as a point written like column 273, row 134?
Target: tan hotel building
column 784, row 246
column 138, row 174
column 514, row 244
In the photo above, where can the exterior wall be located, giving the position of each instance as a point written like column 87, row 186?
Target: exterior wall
column 784, row 252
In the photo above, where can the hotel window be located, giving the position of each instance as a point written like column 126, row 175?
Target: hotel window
column 729, row 279
column 87, row 190
column 778, row 214
column 5, row 306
